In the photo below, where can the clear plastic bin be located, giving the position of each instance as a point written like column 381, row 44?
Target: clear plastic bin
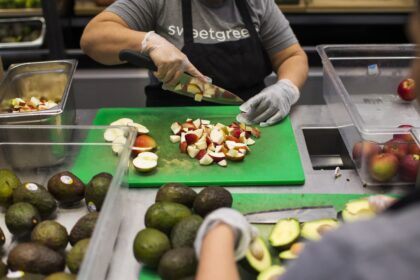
column 360, row 89
column 84, row 140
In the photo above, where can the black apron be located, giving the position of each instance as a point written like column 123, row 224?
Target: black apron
column 238, row 66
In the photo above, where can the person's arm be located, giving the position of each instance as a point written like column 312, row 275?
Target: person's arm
column 217, row 258
column 106, row 35
column 291, row 64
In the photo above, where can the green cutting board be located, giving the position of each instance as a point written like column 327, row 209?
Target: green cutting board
column 247, row 203
column 273, row 160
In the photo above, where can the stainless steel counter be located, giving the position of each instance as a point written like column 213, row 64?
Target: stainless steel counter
column 124, row 266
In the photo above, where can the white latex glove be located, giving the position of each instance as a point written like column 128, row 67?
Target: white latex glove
column 244, row 232
column 169, row 60
column 271, row 105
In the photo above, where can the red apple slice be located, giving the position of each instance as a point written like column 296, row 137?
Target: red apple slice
column 211, row 147
column 205, row 122
column 192, row 151
column 197, row 123
column 250, row 141
column 217, row 156
column 201, row 154
column 144, row 143
column 175, row 138
column 235, row 155
column 199, row 132
column 230, row 145
column 206, row 160
column 222, row 163
column 201, row 143
column 176, row 128
column 183, row 147
column 189, row 126
column 232, row 138
column 256, row 132
column 217, row 136
column 191, row 138
column 198, row 97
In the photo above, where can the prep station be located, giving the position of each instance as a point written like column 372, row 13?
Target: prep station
column 309, row 158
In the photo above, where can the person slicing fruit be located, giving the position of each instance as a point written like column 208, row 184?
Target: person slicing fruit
column 234, row 42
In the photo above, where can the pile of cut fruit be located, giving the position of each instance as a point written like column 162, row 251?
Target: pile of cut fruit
column 32, row 104
column 217, row 143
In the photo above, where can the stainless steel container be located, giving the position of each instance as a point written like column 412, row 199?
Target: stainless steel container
column 53, row 80
column 38, row 25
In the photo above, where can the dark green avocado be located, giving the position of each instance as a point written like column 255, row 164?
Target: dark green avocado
column 176, row 192
column 210, row 199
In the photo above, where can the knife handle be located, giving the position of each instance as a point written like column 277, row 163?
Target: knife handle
column 138, row 59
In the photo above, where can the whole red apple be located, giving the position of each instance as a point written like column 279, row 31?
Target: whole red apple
column 406, row 90
column 396, row 147
column 414, row 149
column 383, row 167
column 405, row 137
column 409, row 167
column 365, row 150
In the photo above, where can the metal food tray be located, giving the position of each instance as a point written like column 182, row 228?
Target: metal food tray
column 101, row 246
column 31, row 44
column 51, row 79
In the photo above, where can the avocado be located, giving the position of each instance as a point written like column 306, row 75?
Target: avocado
column 66, row 187
column 3, row 269
column 183, row 233
column 356, row 210
column 210, row 199
column 20, row 275
column 76, row 254
column 164, row 215
column 2, row 237
column 8, row 182
column 21, row 218
column 50, row 234
column 175, row 192
column 149, row 246
column 61, row 276
column 36, row 195
column 258, row 256
column 314, row 230
column 83, row 228
column 177, row 264
column 287, row 255
column 273, row 272
column 35, row 258
column 96, row 191
column 284, row 233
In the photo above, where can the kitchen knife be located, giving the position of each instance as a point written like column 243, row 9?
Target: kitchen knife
column 303, row 214
column 188, row 85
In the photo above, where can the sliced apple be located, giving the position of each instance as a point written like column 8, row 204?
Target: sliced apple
column 176, row 128
column 189, row 120
column 145, row 162
column 198, row 97
column 232, row 138
column 183, row 147
column 201, row 143
column 175, row 138
column 217, row 136
column 192, row 88
column 141, row 129
column 218, row 148
column 201, row 154
column 111, row 134
column 235, row 155
column 178, row 87
column 219, row 125
column 199, row 132
column 256, row 132
column 192, row 151
column 250, row 141
column 242, row 138
column 236, row 132
column 209, row 90
column 122, row 122
column 230, row 145
column 217, row 156
column 197, row 123
column 206, row 160
column 118, row 144
column 144, row 143
column 191, row 138
column 205, row 122
column 222, row 163
column 211, row 147
column 189, row 125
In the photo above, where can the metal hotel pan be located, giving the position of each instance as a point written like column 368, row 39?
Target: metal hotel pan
column 53, row 80
column 35, row 22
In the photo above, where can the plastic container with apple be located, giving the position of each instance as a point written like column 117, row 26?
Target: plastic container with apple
column 360, row 88
column 84, row 140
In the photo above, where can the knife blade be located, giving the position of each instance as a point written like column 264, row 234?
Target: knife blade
column 303, row 214
column 188, row 86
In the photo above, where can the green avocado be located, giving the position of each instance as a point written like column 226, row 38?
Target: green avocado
column 284, row 233
column 314, row 230
column 273, row 272
column 61, row 276
column 36, row 195
column 83, row 228
column 35, row 258
column 66, row 187
column 164, row 215
column 3, row 269
column 183, row 233
column 177, row 264
column 210, row 199
column 175, row 192
column 287, row 255
column 76, row 254
column 258, row 256
column 8, row 183
column 50, row 234
column 149, row 246
column 96, row 191
column 21, row 218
